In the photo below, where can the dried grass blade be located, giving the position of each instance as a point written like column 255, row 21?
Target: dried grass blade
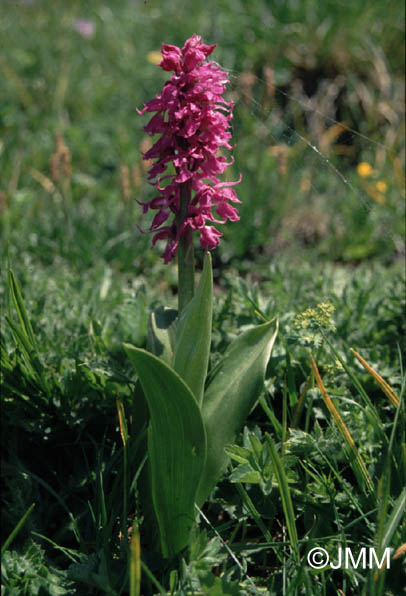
column 393, row 398
column 135, row 562
column 343, row 428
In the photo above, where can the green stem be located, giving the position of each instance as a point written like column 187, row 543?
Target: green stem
column 186, row 259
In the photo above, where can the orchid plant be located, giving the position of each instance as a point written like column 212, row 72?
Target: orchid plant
column 193, row 414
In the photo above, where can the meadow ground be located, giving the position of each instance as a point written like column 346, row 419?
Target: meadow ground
column 318, row 126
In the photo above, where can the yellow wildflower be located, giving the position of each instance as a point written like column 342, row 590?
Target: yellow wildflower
column 381, row 186
column 154, row 57
column 364, row 169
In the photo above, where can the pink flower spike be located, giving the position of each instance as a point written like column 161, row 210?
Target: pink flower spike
column 192, row 120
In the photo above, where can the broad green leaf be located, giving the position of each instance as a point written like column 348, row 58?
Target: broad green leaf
column 162, row 333
column 176, row 446
column 193, row 335
column 236, row 385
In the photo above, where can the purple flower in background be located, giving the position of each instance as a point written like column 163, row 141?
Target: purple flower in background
column 85, row 28
column 193, row 122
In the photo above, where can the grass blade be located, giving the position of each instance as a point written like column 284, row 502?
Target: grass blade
column 24, row 334
column 124, row 438
column 153, row 579
column 254, row 512
column 18, row 527
column 395, row 517
column 20, row 307
column 285, row 496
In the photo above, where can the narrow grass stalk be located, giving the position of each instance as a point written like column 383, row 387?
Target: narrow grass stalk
column 272, row 418
column 13, row 78
column 383, row 502
column 300, row 404
column 399, row 410
column 153, row 579
column 308, row 469
column 285, row 496
column 359, row 462
column 62, row 503
column 18, row 527
column 302, row 398
column 102, row 517
column 284, row 419
column 395, row 518
column 309, row 407
column 391, row 395
column 230, row 552
column 391, row 462
column 72, row 554
column 135, row 562
column 186, row 259
column 254, row 512
column 124, row 438
column 379, row 578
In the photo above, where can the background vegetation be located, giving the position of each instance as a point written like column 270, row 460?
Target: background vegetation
column 319, row 132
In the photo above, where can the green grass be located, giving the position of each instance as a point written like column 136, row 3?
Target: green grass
column 84, row 281
column 64, row 451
